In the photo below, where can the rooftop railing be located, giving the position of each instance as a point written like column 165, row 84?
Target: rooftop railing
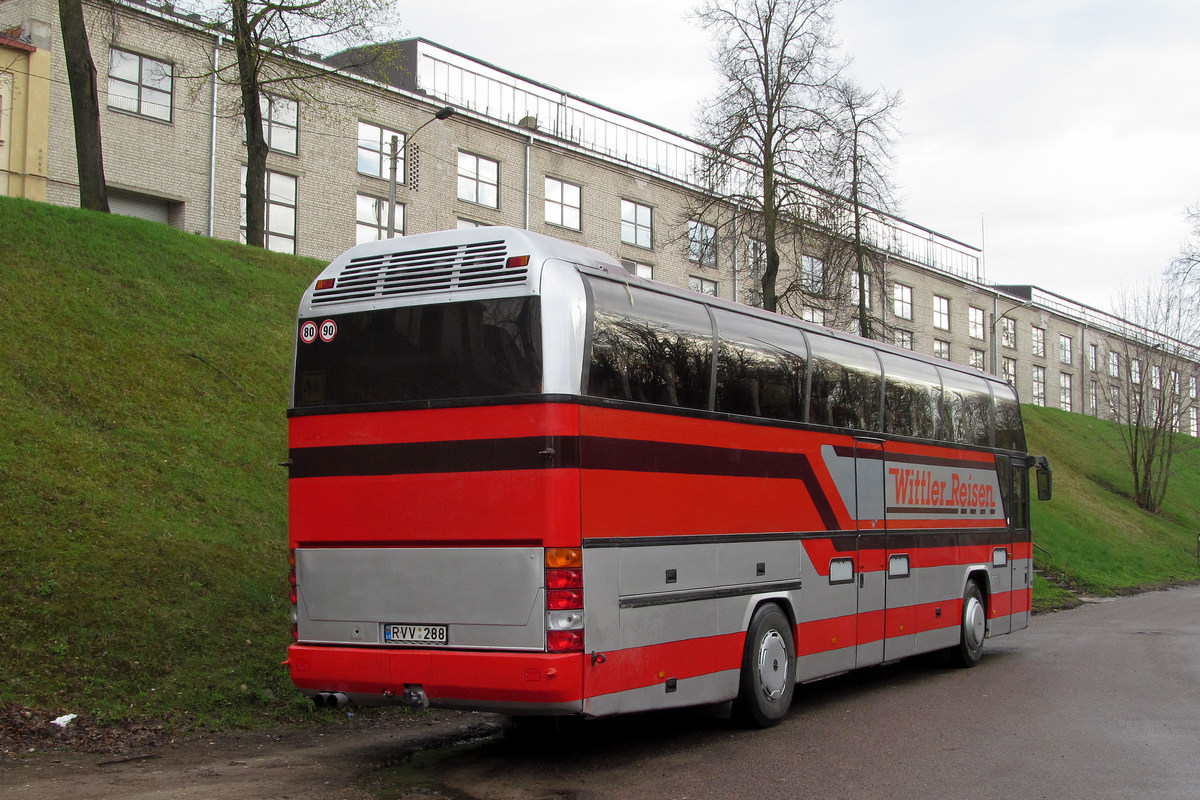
column 504, row 96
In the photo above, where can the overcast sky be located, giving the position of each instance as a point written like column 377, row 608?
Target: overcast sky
column 1062, row 135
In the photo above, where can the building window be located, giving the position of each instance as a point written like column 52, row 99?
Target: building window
column 637, row 268
column 812, row 274
column 702, row 243
column 478, row 180
column 1038, row 340
column 814, row 315
column 975, row 322
column 139, row 85
column 636, row 227
column 563, row 203
column 1156, row 377
column 280, row 211
column 1008, row 332
column 375, row 152
column 976, row 359
column 902, row 338
column 1175, row 383
column 1064, row 349
column 1114, row 365
column 902, row 301
column 1135, row 371
column 941, row 349
column 371, row 217
column 467, row 224
column 941, row 312
column 280, row 121
column 1064, row 391
column 1093, row 357
column 857, row 279
column 1093, row 397
column 702, row 285
column 1009, row 368
column 1039, row 386
column 1195, row 424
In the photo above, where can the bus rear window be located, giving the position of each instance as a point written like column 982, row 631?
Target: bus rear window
column 481, row 348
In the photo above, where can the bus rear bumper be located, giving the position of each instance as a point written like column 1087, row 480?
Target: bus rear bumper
column 512, row 683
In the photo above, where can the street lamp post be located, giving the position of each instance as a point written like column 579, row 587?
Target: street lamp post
column 995, row 321
column 443, row 113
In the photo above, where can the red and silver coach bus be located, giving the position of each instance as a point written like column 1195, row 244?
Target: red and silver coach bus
column 523, row 480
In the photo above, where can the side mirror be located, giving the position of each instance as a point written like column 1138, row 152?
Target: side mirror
column 1045, row 478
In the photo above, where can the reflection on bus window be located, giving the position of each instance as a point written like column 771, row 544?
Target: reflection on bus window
column 912, row 397
column 755, row 378
column 649, row 348
column 967, row 408
column 845, row 385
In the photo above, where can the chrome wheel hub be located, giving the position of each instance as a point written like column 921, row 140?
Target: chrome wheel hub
column 773, row 665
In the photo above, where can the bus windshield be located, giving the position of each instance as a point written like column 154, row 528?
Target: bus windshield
column 445, row 351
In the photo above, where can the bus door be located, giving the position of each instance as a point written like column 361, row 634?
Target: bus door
column 872, row 537
column 1021, row 534
column 900, row 595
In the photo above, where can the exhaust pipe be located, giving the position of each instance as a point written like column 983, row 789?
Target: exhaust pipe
column 414, row 696
column 330, row 700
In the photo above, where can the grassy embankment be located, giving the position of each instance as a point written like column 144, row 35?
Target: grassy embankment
column 143, row 380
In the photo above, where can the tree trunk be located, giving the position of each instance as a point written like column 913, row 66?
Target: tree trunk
column 256, row 143
column 85, row 106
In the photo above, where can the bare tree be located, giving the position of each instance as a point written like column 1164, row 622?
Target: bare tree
column 1157, row 359
column 1185, row 269
column 775, row 58
column 861, row 133
column 85, row 106
column 270, row 39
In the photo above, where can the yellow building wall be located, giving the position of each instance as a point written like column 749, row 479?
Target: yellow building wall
column 25, row 87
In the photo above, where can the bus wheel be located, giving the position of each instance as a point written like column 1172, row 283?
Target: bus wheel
column 768, row 678
column 974, row 627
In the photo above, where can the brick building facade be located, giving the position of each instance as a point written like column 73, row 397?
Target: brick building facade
column 515, row 152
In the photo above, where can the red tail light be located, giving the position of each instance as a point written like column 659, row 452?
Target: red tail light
column 558, row 599
column 564, row 641
column 564, row 599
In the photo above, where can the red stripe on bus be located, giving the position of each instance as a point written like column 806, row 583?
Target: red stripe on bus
column 486, row 506
column 651, row 665
column 630, row 504
column 450, row 674
column 424, row 425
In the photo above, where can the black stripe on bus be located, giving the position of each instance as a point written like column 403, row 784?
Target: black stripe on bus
column 646, row 601
column 846, row 451
column 557, row 452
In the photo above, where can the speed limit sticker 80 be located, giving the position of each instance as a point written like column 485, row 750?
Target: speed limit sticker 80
column 309, row 331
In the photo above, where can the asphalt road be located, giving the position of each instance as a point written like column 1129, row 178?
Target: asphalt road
column 1098, row 702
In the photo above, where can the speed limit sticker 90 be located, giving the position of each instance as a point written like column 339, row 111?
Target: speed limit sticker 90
column 308, row 332
column 328, row 330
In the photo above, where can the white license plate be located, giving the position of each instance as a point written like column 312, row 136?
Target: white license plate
column 401, row 633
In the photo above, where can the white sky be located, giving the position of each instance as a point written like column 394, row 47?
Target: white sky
column 1062, row 134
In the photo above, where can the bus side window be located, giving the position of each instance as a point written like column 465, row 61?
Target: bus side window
column 1010, row 435
column 845, row 385
column 1004, row 477
column 1020, row 497
column 967, row 401
column 649, row 348
column 756, row 378
column 912, row 397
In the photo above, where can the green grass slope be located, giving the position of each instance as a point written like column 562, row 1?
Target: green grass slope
column 143, row 382
column 1091, row 537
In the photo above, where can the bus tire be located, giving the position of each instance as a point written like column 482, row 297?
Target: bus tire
column 768, row 678
column 974, row 627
